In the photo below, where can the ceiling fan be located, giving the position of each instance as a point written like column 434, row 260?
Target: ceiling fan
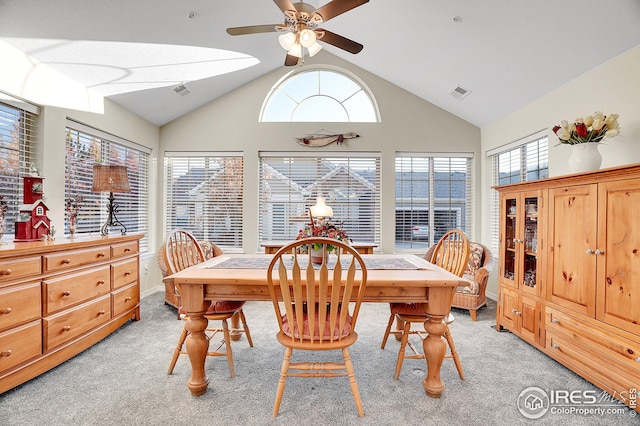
column 301, row 28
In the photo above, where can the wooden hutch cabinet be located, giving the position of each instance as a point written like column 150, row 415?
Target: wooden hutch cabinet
column 60, row 297
column 569, row 272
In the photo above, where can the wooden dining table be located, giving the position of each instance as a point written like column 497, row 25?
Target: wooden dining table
column 390, row 278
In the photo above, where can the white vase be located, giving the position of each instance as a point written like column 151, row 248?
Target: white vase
column 585, row 157
column 316, row 256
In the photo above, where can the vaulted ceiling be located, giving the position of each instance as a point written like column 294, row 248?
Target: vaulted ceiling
column 506, row 53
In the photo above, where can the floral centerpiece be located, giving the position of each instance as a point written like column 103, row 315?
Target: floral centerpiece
column 72, row 207
column 323, row 228
column 592, row 128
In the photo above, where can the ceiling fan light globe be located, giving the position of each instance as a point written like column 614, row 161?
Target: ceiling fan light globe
column 296, row 50
column 307, row 37
column 314, row 48
column 287, row 40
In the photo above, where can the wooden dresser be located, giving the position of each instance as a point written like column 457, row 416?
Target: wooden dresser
column 569, row 273
column 60, row 297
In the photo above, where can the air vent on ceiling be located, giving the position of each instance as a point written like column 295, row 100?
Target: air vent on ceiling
column 181, row 90
column 459, row 92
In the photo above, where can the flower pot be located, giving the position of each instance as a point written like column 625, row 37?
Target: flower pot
column 316, row 256
column 584, row 157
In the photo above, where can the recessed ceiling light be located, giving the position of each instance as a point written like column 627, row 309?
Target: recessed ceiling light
column 457, row 19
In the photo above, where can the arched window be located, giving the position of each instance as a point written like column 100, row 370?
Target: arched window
column 325, row 95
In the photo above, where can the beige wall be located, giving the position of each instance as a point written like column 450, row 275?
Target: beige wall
column 407, row 124
column 117, row 121
column 613, row 87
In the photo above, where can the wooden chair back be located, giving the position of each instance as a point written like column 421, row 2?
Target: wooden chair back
column 318, row 295
column 181, row 250
column 452, row 252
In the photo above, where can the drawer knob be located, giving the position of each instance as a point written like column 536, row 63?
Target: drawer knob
column 101, row 312
column 638, row 359
column 589, row 251
column 5, row 311
column 101, row 254
column 555, row 320
column 65, row 261
column 66, row 328
column 5, row 271
column 100, row 282
column 127, row 250
column 555, row 346
column 66, row 293
column 6, row 353
column 127, row 273
column 599, row 251
column 127, row 299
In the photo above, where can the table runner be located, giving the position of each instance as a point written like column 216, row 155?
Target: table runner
column 370, row 262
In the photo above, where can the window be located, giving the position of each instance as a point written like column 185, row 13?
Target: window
column 17, row 152
column 289, row 185
column 84, row 148
column 319, row 95
column 433, row 195
column 203, row 195
column 523, row 160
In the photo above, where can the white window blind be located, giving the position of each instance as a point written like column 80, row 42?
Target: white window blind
column 18, row 123
column 86, row 147
column 290, row 184
column 204, row 196
column 434, row 193
column 524, row 160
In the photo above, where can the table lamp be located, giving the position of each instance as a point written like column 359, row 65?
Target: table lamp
column 320, row 210
column 111, row 178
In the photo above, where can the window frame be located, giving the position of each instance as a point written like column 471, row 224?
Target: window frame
column 18, row 145
column 85, row 146
column 412, row 200
column 227, row 234
column 522, row 174
column 361, row 215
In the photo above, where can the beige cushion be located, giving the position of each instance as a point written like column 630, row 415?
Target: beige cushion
column 326, row 333
column 475, row 259
column 472, row 288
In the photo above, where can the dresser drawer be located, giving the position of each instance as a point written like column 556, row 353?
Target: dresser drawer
column 72, row 323
column 599, row 342
column 19, row 304
column 124, row 249
column 69, row 290
column 125, row 299
column 19, row 268
column 615, row 378
column 124, row 272
column 19, row 345
column 70, row 259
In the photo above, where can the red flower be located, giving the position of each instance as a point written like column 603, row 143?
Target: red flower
column 581, row 130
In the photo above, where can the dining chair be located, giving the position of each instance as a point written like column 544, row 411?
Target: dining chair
column 450, row 253
column 312, row 305
column 182, row 250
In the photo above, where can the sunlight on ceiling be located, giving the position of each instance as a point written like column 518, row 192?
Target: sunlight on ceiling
column 111, row 68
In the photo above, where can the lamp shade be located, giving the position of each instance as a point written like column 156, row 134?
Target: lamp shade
column 286, row 40
column 110, row 178
column 321, row 209
column 307, row 37
column 296, row 50
column 314, row 48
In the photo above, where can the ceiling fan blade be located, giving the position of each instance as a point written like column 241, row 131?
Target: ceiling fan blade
column 253, row 29
column 284, row 5
column 339, row 41
column 290, row 61
column 337, row 7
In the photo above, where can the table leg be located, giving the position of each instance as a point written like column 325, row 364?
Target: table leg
column 434, row 346
column 197, row 343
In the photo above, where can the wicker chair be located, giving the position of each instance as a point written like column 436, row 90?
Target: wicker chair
column 472, row 297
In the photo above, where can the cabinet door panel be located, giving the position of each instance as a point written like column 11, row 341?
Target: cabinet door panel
column 529, row 316
column 619, row 265
column 509, row 309
column 573, row 213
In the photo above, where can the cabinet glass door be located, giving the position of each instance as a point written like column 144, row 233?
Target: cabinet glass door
column 530, row 244
column 509, row 244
